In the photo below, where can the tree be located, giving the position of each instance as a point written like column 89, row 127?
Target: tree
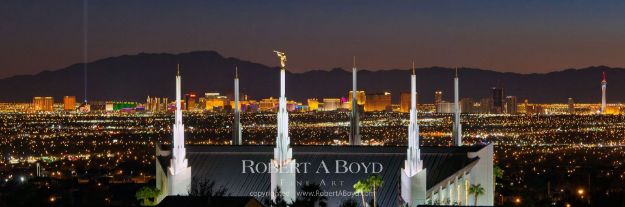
column 477, row 190
column 349, row 203
column 147, row 195
column 279, row 201
column 206, row 187
column 311, row 197
column 497, row 173
column 361, row 187
column 375, row 182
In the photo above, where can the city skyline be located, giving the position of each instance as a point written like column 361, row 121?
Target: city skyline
column 381, row 103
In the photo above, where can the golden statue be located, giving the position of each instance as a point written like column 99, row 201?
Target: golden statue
column 282, row 57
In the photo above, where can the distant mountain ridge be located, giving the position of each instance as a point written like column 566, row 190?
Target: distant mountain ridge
column 134, row 77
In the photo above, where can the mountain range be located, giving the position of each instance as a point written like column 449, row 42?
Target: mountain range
column 134, row 77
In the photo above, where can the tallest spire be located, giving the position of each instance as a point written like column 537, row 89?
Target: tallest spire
column 283, row 164
column 354, row 135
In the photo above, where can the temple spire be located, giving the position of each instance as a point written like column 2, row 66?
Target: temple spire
column 354, row 135
column 457, row 128
column 236, row 130
column 283, row 165
column 413, row 175
column 414, row 163
column 179, row 172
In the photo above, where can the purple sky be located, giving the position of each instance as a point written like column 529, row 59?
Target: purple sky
column 519, row 36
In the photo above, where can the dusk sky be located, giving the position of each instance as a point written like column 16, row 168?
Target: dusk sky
column 517, row 36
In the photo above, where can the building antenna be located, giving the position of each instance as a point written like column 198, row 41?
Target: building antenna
column 85, row 54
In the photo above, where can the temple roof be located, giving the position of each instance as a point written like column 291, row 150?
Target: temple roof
column 223, row 164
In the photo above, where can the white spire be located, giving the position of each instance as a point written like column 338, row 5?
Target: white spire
column 457, row 129
column 354, row 135
column 236, row 130
column 283, row 167
column 413, row 175
column 414, row 164
column 283, row 152
column 178, row 160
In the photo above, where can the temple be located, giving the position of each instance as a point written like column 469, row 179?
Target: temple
column 413, row 175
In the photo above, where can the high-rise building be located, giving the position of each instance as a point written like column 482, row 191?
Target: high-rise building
column 361, row 98
column 378, row 102
column 45, row 104
column 511, row 105
column 469, row 106
column 438, row 98
column 445, row 107
column 571, row 105
column 404, row 104
column 191, row 101
column 498, row 100
column 155, row 104
column 313, row 104
column 604, row 84
column 215, row 101
column 331, row 104
column 486, row 105
column 268, row 104
column 69, row 103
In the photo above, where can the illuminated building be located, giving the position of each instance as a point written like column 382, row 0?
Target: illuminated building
column 511, row 105
column 313, row 104
column 405, row 102
column 331, row 104
column 236, row 129
column 445, row 107
column 69, row 103
column 191, row 101
column 571, row 105
column 413, row 176
column 292, row 106
column 378, row 102
column 486, row 105
column 361, row 98
column 457, row 128
column 45, row 104
column 470, row 106
column 604, row 85
column 498, row 100
column 438, row 98
column 154, row 104
column 215, row 101
column 123, row 105
column 268, row 104
column 354, row 125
